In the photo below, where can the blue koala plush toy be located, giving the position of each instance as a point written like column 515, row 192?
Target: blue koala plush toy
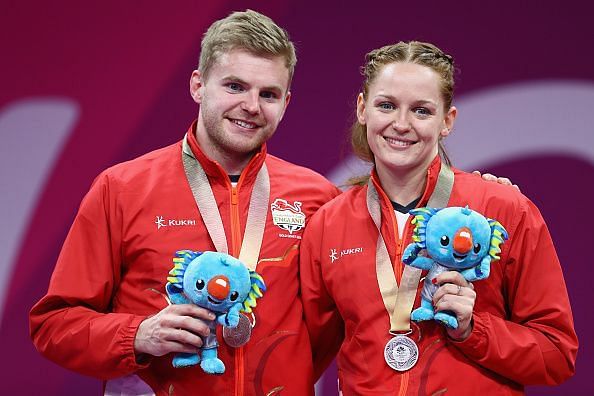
column 455, row 239
column 220, row 283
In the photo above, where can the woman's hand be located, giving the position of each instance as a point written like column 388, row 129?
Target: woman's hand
column 456, row 295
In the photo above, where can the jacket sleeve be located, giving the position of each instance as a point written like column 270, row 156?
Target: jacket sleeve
column 536, row 343
column 72, row 324
column 323, row 321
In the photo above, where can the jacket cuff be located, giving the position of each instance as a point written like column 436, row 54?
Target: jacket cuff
column 475, row 346
column 131, row 360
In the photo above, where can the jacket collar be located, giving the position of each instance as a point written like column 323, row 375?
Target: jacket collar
column 432, row 173
column 214, row 170
column 389, row 224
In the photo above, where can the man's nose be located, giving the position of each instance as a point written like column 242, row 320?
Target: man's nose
column 251, row 103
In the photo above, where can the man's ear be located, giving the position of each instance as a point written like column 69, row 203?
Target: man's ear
column 287, row 100
column 361, row 109
column 449, row 121
column 196, row 86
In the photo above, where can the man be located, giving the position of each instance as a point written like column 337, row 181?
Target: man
column 106, row 314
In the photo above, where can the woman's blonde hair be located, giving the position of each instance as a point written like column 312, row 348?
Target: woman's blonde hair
column 424, row 54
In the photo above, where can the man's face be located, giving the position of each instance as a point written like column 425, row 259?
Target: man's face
column 242, row 100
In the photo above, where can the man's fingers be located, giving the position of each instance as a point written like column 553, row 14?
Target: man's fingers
column 490, row 177
column 172, row 346
column 190, row 310
column 187, row 323
column 504, row 180
column 184, row 337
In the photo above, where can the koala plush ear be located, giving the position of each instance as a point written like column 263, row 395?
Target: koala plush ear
column 420, row 219
column 181, row 260
column 256, row 291
column 498, row 236
column 175, row 280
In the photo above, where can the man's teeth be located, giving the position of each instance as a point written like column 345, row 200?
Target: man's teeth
column 244, row 124
column 397, row 142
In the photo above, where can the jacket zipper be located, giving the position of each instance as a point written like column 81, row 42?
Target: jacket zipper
column 236, row 246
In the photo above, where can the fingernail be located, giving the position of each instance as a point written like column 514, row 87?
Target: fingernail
column 434, row 281
column 211, row 316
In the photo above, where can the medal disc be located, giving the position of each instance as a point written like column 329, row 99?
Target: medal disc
column 401, row 353
column 239, row 335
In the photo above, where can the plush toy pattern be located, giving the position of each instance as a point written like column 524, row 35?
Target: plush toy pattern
column 451, row 239
column 219, row 283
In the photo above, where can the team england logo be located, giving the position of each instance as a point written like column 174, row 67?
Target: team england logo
column 286, row 216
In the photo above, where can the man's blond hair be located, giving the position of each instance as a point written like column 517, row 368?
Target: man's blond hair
column 248, row 30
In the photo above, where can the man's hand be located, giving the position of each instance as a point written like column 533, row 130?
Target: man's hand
column 501, row 180
column 176, row 328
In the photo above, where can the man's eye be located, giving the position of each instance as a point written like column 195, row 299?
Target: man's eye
column 268, row 95
column 234, row 86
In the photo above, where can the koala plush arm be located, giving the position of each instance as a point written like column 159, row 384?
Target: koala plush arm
column 231, row 318
column 410, row 253
column 412, row 258
column 424, row 263
column 176, row 295
column 478, row 272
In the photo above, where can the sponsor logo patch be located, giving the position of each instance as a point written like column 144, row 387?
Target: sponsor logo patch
column 161, row 222
column 335, row 254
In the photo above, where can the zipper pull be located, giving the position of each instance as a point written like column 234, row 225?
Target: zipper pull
column 234, row 198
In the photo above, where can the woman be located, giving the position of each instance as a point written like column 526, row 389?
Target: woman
column 514, row 328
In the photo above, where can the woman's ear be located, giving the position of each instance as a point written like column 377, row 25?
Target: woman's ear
column 449, row 120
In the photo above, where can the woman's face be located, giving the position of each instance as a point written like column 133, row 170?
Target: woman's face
column 404, row 116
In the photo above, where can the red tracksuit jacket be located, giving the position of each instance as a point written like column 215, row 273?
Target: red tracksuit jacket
column 523, row 328
column 112, row 271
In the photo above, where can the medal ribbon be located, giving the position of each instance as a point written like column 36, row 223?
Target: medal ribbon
column 207, row 206
column 399, row 300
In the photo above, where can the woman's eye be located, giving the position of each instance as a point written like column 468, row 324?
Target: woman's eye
column 386, row 106
column 422, row 111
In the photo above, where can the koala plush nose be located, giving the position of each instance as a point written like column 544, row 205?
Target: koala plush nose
column 218, row 287
column 463, row 240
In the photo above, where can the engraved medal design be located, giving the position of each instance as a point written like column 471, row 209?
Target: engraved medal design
column 401, row 353
column 240, row 335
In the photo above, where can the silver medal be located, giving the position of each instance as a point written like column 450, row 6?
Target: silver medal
column 401, row 353
column 239, row 335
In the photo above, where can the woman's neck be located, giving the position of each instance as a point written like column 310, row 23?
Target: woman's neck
column 403, row 186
